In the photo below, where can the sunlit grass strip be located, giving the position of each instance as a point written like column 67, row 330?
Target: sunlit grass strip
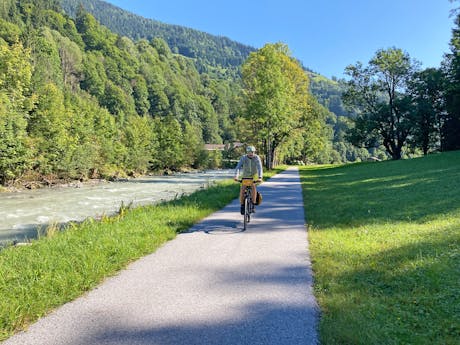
column 54, row 270
column 385, row 245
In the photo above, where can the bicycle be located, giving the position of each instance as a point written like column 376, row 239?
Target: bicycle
column 248, row 203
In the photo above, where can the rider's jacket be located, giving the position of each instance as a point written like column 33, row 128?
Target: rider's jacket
column 249, row 167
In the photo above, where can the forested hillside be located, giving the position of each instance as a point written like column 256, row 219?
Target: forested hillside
column 206, row 50
column 78, row 100
column 222, row 58
column 212, row 54
column 329, row 93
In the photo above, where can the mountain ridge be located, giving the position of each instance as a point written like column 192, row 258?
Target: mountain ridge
column 214, row 54
column 202, row 46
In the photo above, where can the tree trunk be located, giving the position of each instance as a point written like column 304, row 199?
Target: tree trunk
column 268, row 159
column 396, row 154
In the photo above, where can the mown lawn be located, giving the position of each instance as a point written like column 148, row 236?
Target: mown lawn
column 385, row 246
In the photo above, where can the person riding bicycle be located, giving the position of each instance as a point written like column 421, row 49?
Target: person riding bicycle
column 250, row 166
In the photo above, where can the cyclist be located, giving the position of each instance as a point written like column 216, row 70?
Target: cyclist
column 249, row 166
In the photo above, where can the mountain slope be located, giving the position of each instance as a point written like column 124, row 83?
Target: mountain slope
column 204, row 47
column 216, row 56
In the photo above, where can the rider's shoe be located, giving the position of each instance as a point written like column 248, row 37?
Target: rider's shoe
column 253, row 209
column 242, row 209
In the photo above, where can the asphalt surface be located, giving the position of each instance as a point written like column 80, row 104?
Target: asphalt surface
column 215, row 284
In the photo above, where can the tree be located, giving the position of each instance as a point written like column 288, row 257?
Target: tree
column 117, row 102
column 71, row 60
column 94, row 74
column 48, row 127
column 141, row 95
column 15, row 102
column 46, row 59
column 170, row 151
column 276, row 96
column 9, row 32
column 426, row 90
column 89, row 29
column 317, row 140
column 450, row 132
column 193, row 145
column 378, row 95
column 84, row 147
column 138, row 141
column 14, row 154
column 209, row 122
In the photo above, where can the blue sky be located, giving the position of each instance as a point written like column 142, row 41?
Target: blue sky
column 326, row 35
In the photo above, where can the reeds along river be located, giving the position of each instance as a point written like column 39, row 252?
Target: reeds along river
column 23, row 214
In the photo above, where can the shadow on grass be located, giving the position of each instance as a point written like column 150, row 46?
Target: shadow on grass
column 410, row 292
column 402, row 290
column 411, row 190
column 424, row 266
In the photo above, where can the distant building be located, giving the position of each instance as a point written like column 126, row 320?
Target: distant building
column 222, row 147
column 214, row 147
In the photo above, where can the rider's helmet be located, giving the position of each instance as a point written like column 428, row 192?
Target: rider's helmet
column 250, row 149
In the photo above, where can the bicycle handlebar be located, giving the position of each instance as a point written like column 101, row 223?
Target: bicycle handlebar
column 255, row 181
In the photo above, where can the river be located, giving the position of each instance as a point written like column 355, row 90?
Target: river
column 23, row 214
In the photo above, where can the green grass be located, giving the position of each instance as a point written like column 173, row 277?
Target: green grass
column 385, row 246
column 56, row 269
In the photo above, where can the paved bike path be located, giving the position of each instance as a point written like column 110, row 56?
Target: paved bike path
column 215, row 284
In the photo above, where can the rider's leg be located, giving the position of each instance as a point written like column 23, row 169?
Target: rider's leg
column 254, row 194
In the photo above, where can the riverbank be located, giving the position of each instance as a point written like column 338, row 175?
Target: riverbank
column 58, row 268
column 33, row 182
column 27, row 213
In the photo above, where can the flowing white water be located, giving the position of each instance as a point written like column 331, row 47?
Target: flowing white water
column 23, row 214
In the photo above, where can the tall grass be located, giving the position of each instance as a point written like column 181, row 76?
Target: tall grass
column 385, row 245
column 61, row 266
column 57, row 269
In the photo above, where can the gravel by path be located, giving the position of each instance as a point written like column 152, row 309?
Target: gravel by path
column 215, row 284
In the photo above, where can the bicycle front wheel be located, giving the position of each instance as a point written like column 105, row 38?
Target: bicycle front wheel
column 247, row 213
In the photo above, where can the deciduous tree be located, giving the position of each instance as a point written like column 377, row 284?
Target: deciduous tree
column 378, row 94
column 426, row 90
column 276, row 96
column 450, row 132
column 15, row 102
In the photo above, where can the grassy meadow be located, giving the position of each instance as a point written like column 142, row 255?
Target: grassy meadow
column 385, row 247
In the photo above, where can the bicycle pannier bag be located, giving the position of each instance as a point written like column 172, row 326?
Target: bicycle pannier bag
column 258, row 198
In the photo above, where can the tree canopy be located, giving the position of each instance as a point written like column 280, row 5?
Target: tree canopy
column 277, row 98
column 377, row 93
column 79, row 101
column 450, row 131
column 403, row 108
